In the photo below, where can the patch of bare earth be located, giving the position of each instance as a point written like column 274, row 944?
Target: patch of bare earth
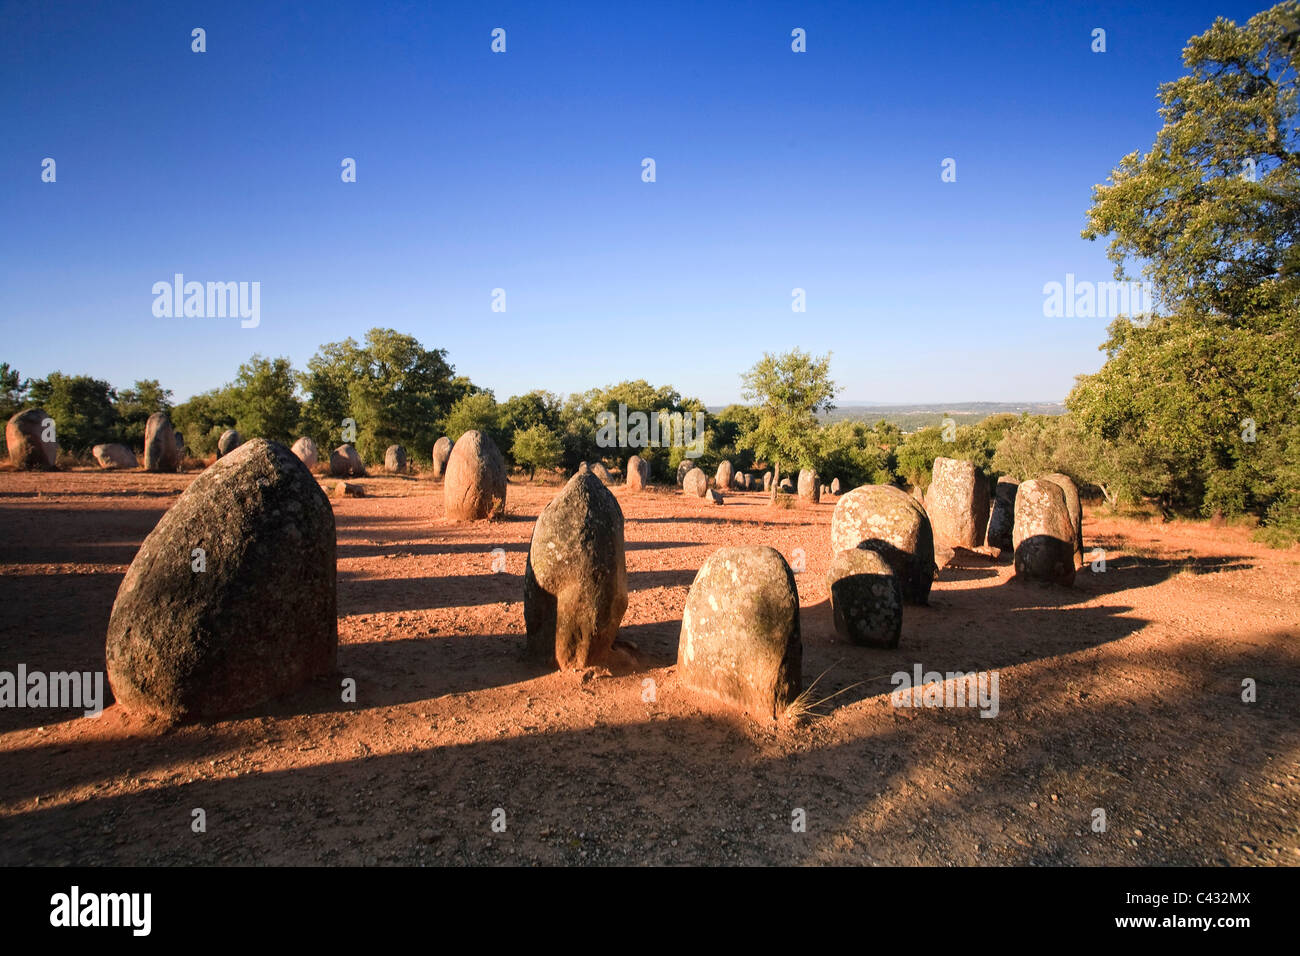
column 1123, row 693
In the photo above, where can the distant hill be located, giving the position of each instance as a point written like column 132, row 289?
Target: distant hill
column 912, row 417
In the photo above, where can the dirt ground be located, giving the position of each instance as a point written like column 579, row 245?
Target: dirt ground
column 1121, row 694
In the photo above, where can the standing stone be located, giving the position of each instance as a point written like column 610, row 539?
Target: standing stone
column 958, row 503
column 886, row 519
column 767, row 481
column 723, row 478
column 160, row 452
column 825, row 490
column 696, row 483
column 835, row 487
column 575, row 582
column 1043, row 534
column 713, row 497
column 598, row 469
column 810, row 488
column 345, row 461
column 1002, row 516
column 228, row 442
column 259, row 620
column 747, row 481
column 683, row 468
column 25, row 436
column 740, row 631
column 395, row 460
column 306, row 451
column 114, row 456
column 441, row 453
column 638, row 473
column 786, row 486
column 1075, row 508
column 866, row 598
column 475, row 484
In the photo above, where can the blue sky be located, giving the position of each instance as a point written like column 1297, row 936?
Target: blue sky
column 522, row 171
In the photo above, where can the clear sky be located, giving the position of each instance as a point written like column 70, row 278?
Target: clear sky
column 523, row 171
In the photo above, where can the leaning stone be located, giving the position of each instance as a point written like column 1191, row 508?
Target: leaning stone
column 866, row 598
column 740, row 631
column 1043, row 534
column 260, row 617
column 575, row 581
column 713, row 497
column 886, row 519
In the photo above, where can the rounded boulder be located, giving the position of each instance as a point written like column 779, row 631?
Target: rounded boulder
column 306, row 451
column 228, row 442
column 638, row 473
column 231, row 599
column 395, row 460
column 723, row 477
column 345, row 461
column 866, row 598
column 886, row 519
column 113, row 456
column 474, row 486
column 740, row 631
column 1043, row 535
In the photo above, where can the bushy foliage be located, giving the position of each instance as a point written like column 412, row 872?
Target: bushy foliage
column 1201, row 398
column 536, row 447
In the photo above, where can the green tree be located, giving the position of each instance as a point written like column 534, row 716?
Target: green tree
column 83, row 408
column 135, row 405
column 263, row 399
column 395, row 391
column 536, row 447
column 478, row 411
column 790, row 391
column 13, row 391
column 521, row 412
column 856, row 454
column 202, row 420
column 1201, row 397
